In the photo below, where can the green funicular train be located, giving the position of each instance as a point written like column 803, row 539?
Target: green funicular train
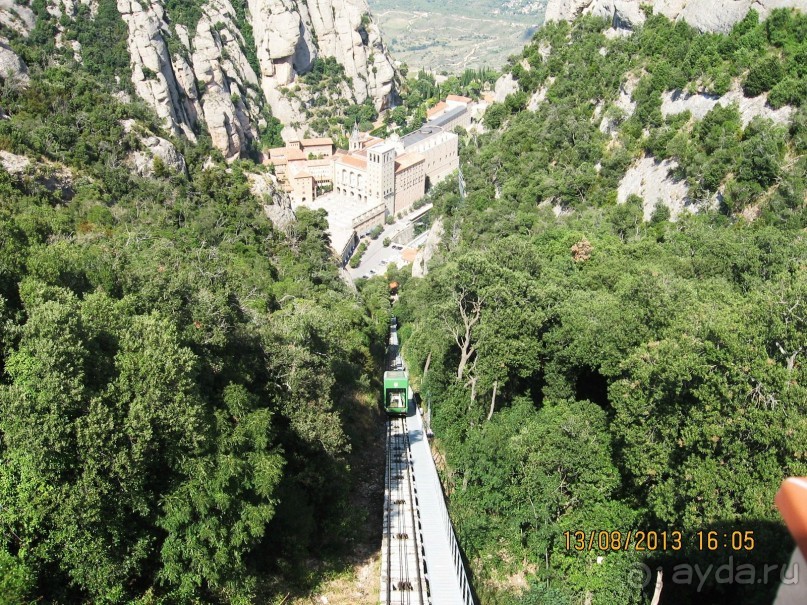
column 396, row 392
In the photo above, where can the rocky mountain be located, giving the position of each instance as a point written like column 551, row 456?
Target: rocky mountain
column 228, row 65
column 704, row 15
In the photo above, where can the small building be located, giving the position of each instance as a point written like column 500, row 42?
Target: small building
column 454, row 111
column 436, row 110
column 319, row 148
column 455, row 100
column 303, row 186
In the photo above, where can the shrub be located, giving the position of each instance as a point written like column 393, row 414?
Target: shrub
column 356, row 258
column 661, row 213
column 764, row 75
column 790, row 91
column 495, row 116
column 159, row 167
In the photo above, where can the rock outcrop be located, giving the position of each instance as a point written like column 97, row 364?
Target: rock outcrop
column 539, row 95
column 276, row 203
column 505, row 85
column 13, row 163
column 228, row 61
column 53, row 176
column 704, row 15
column 623, row 107
column 11, row 66
column 20, row 19
column 206, row 79
column 157, row 147
column 206, row 76
column 344, row 30
column 420, row 266
column 152, row 147
column 676, row 101
column 17, row 16
column 651, row 181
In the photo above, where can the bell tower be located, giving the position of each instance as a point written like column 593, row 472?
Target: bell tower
column 355, row 139
column 381, row 175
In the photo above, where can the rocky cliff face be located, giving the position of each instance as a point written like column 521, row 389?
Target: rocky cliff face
column 19, row 19
column 704, row 15
column 210, row 78
column 420, row 266
column 290, row 35
column 222, row 67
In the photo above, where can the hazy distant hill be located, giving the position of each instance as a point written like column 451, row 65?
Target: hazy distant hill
column 453, row 35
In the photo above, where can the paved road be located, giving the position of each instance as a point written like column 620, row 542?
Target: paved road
column 377, row 257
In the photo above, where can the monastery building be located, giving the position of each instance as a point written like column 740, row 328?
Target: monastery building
column 375, row 178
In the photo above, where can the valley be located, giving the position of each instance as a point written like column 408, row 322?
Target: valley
column 452, row 36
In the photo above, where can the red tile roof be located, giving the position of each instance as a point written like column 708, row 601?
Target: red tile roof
column 319, row 141
column 441, row 106
column 352, row 161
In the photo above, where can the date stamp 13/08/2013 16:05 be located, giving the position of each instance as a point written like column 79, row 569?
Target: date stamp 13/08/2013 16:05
column 656, row 541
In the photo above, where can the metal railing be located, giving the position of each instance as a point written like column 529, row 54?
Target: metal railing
column 448, row 530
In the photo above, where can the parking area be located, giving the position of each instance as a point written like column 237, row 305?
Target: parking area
column 378, row 257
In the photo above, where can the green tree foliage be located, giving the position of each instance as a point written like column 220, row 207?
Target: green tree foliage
column 322, row 71
column 245, row 28
column 421, row 91
column 185, row 13
column 103, row 43
column 763, row 76
column 15, row 580
column 598, row 371
column 175, row 371
column 621, row 388
column 355, row 260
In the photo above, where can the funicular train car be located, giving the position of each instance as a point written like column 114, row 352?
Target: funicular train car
column 396, row 392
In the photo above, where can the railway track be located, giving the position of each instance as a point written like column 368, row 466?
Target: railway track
column 421, row 561
column 403, row 571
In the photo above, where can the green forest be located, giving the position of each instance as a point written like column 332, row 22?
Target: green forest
column 596, row 371
column 185, row 390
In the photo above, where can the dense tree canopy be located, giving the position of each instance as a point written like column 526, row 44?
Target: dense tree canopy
column 174, row 370
column 594, row 371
